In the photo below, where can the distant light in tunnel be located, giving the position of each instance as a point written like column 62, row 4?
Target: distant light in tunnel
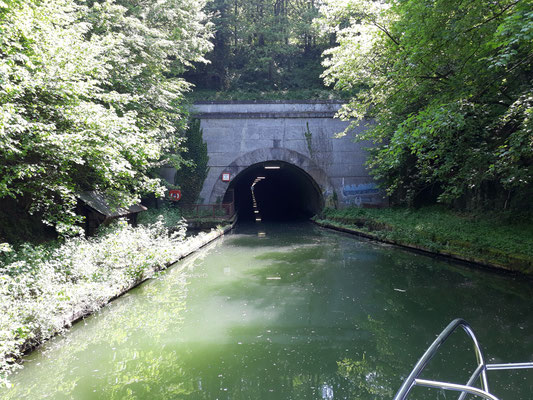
column 272, row 167
column 257, row 180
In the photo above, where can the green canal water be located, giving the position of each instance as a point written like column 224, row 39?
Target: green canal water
column 288, row 312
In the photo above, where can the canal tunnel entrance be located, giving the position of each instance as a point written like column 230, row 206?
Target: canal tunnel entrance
column 275, row 191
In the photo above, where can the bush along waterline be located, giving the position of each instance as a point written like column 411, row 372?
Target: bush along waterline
column 45, row 288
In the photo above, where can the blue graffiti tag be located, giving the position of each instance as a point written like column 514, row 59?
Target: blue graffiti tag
column 360, row 190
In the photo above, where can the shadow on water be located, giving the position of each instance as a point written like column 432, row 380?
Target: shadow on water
column 285, row 311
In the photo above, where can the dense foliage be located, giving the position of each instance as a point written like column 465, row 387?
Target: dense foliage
column 449, row 84
column 89, row 98
column 190, row 178
column 171, row 215
column 263, row 45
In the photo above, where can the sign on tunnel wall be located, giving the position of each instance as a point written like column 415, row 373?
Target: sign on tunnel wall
column 175, row 195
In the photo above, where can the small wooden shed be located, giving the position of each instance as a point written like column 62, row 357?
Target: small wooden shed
column 97, row 211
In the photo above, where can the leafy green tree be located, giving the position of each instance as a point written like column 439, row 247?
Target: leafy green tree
column 263, row 45
column 89, row 98
column 449, row 86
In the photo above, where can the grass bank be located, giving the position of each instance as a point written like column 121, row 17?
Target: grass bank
column 45, row 288
column 495, row 240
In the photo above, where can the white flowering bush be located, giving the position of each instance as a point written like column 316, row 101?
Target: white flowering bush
column 91, row 99
column 43, row 289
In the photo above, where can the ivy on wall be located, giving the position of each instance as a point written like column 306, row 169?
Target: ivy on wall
column 191, row 176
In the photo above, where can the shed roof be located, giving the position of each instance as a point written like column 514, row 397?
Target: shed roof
column 99, row 203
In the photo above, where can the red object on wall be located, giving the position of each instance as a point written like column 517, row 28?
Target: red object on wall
column 175, row 195
column 226, row 177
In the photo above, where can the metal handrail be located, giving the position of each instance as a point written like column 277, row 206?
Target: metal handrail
column 480, row 372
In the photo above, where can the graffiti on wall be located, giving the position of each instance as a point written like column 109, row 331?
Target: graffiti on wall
column 357, row 194
column 360, row 190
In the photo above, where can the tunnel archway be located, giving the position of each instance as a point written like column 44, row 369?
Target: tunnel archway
column 275, row 191
column 309, row 176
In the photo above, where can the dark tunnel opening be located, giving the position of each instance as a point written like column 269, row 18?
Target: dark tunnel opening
column 281, row 192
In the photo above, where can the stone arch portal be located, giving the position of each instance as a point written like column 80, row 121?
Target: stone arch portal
column 294, row 186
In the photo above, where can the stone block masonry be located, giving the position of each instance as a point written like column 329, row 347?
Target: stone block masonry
column 302, row 133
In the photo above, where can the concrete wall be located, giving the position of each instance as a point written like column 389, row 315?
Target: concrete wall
column 240, row 134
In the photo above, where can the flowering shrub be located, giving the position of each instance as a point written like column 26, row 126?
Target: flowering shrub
column 42, row 290
column 90, row 98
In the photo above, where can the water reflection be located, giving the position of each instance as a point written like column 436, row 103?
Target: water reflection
column 299, row 313
column 327, row 392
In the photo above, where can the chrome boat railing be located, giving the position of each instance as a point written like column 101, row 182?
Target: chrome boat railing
column 464, row 389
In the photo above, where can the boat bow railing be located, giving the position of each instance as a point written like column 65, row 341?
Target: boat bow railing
column 464, row 389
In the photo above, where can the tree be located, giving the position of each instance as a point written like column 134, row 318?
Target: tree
column 89, row 98
column 263, row 45
column 449, row 85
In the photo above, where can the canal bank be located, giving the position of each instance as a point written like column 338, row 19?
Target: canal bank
column 496, row 242
column 190, row 245
column 44, row 292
